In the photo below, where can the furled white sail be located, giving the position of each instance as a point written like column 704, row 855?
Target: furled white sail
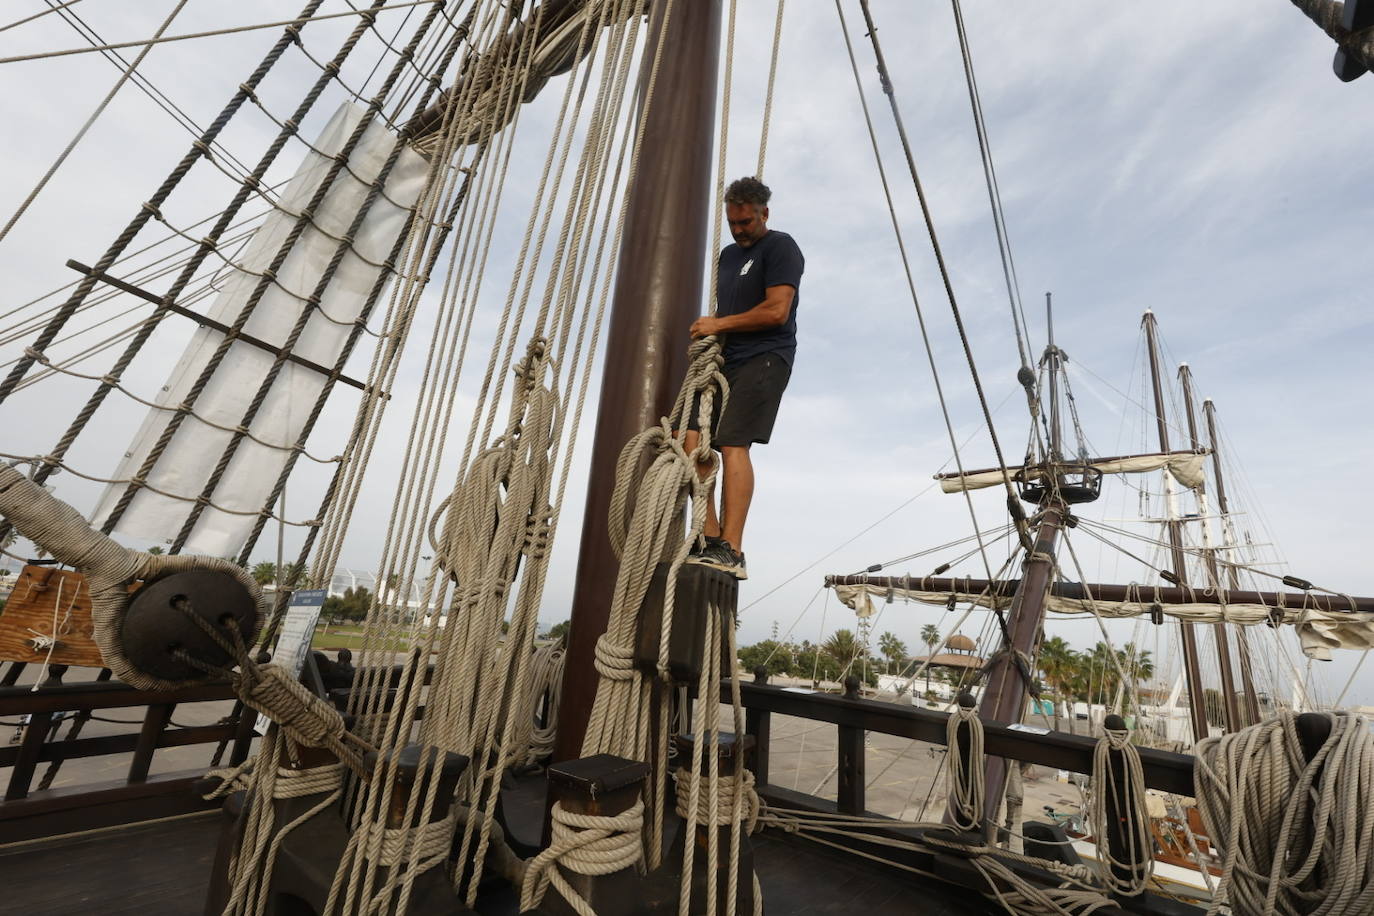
column 197, row 446
column 1185, row 467
column 1319, row 631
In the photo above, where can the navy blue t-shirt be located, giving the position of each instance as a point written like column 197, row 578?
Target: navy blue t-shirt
column 744, row 274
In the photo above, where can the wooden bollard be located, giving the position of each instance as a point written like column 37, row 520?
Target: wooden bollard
column 432, row 891
column 731, row 760
column 308, row 855
column 600, row 786
column 1119, row 844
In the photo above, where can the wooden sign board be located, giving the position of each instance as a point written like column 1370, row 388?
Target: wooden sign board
column 46, row 603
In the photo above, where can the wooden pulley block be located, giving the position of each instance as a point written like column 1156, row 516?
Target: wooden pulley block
column 157, row 623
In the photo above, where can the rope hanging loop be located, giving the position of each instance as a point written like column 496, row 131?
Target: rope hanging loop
column 1119, row 817
column 964, row 765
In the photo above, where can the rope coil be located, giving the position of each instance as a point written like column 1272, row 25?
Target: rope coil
column 1294, row 834
column 964, row 777
column 1131, row 876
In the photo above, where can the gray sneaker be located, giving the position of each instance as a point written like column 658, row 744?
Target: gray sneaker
column 703, row 544
column 720, row 555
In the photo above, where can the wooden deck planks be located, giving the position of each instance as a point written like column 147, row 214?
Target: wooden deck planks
column 150, row 870
column 161, row 870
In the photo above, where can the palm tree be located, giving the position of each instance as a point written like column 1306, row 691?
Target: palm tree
column 155, row 551
column 1059, row 663
column 1137, row 663
column 930, row 635
column 295, row 575
column 892, row 648
column 264, row 573
column 842, row 647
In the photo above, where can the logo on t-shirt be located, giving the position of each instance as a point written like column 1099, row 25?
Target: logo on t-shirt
column 745, row 269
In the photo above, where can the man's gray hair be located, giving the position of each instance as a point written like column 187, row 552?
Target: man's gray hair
column 748, row 191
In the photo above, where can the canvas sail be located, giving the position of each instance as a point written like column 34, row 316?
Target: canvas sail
column 1319, row 631
column 195, row 449
column 1185, row 467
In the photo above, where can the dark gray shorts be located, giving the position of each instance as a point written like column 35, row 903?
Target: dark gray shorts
column 756, row 387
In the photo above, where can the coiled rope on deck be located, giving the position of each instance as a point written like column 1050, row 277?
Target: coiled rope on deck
column 1294, row 834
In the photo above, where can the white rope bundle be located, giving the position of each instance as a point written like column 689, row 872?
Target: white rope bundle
column 646, row 529
column 231, row 779
column 1129, row 797
column 586, row 845
column 311, row 781
column 109, row 567
column 492, row 533
column 1296, row 836
column 964, row 779
column 741, row 801
column 427, row 844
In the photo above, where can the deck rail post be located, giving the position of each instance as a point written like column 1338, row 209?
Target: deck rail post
column 758, row 725
column 851, row 762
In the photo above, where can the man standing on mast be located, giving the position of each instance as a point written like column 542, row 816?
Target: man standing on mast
column 757, row 284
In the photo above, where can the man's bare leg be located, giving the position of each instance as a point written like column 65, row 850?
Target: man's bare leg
column 737, row 491
column 690, row 440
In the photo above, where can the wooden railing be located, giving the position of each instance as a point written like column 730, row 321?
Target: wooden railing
column 853, row 716
column 32, row 811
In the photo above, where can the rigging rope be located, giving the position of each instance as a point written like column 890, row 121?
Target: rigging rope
column 934, row 242
column 38, row 15
column 911, row 286
column 81, row 132
column 1018, row 316
column 367, row 14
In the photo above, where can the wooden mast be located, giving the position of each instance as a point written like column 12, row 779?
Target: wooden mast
column 1004, row 698
column 1252, row 710
column 1234, row 720
column 1197, row 712
column 657, row 296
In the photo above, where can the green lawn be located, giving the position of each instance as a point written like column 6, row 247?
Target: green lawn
column 348, row 636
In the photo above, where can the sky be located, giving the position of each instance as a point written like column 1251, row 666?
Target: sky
column 1199, row 160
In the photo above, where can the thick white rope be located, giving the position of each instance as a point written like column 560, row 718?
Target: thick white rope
column 471, row 698
column 251, row 866
column 586, row 845
column 768, row 96
column 1295, row 836
column 544, row 695
column 727, row 787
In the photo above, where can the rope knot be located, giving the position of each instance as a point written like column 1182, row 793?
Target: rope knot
column 584, row 844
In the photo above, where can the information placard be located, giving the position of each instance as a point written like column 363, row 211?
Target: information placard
column 298, row 628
